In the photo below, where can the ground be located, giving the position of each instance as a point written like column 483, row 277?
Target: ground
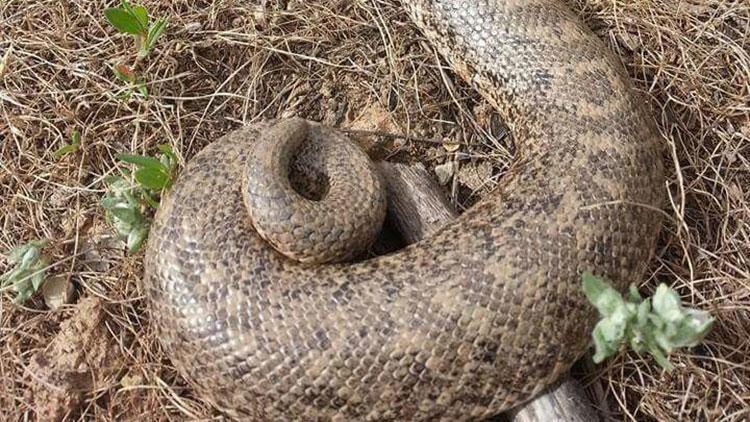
column 222, row 64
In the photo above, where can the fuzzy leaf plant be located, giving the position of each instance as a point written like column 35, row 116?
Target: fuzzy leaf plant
column 657, row 325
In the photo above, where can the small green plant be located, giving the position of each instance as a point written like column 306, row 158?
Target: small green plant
column 134, row 20
column 28, row 272
column 126, row 203
column 657, row 325
column 75, row 143
column 153, row 174
column 135, row 82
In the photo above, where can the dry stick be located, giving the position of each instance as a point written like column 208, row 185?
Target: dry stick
column 417, row 207
column 389, row 135
column 416, row 203
column 565, row 401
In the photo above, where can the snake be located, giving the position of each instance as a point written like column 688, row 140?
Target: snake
column 479, row 317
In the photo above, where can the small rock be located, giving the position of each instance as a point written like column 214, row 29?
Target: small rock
column 193, row 26
column 444, row 172
column 260, row 16
column 57, row 291
column 629, row 40
column 131, row 380
column 60, row 198
column 374, row 118
column 101, row 251
column 450, row 147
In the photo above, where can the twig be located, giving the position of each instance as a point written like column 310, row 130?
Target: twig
column 399, row 136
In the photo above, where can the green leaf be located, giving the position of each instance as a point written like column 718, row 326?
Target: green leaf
column 153, row 203
column 16, row 254
column 24, row 291
column 122, row 228
column 644, row 309
column 136, row 238
column 143, row 89
column 637, row 342
column 117, row 185
column 28, row 273
column 604, row 347
column 690, row 331
column 123, row 73
column 151, row 178
column 667, row 305
column 37, row 278
column 122, row 20
column 125, row 214
column 168, row 158
column 126, row 6
column 699, row 320
column 682, row 336
column 155, row 32
column 12, row 275
column 660, row 358
column 65, row 150
column 613, row 328
column 606, row 299
column 29, row 258
column 633, row 294
column 138, row 12
column 112, row 180
column 109, row 202
column 141, row 161
column 165, row 149
column 657, row 325
column 125, row 95
column 141, row 14
column 68, row 148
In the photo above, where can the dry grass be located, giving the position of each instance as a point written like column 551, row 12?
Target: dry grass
column 223, row 64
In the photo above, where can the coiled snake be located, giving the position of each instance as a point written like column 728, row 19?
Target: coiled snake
column 474, row 320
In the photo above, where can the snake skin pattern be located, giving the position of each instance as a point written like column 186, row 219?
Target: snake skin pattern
column 461, row 326
column 339, row 228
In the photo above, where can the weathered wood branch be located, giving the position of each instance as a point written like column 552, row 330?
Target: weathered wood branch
column 416, row 208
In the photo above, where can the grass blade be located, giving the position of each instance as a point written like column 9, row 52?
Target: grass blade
column 155, row 32
column 141, row 161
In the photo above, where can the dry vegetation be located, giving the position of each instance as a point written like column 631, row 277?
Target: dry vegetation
column 222, row 64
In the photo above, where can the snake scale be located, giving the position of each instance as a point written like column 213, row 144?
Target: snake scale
column 474, row 320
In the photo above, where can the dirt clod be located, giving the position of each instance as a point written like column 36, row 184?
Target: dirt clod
column 78, row 360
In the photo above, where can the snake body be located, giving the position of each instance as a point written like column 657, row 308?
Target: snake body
column 476, row 319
